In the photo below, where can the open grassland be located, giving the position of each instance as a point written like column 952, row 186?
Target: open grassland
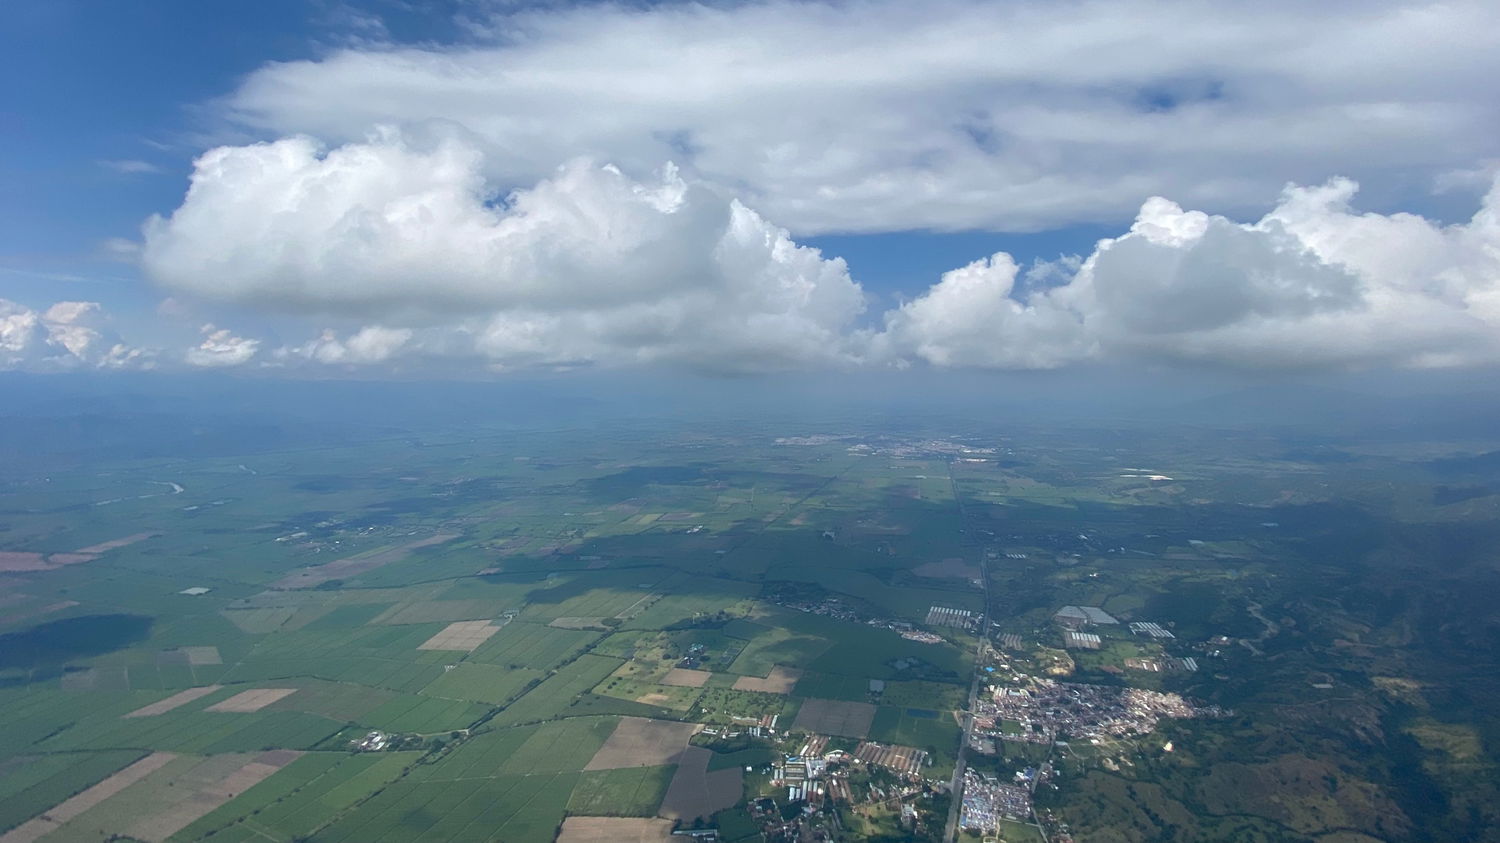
column 726, row 706
column 674, row 697
column 927, row 729
column 773, row 646
column 1018, row 832
column 939, row 696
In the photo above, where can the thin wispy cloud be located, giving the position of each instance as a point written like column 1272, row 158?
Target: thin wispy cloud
column 131, row 167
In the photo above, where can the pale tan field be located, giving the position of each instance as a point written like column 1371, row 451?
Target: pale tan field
column 684, row 678
column 68, row 809
column 638, row 742
column 615, row 830
column 206, row 789
column 112, row 544
column 345, row 568
column 780, row 680
column 17, row 617
column 57, row 560
column 177, row 700
column 254, row 700
column 22, row 560
column 461, row 635
column 97, row 679
column 153, row 798
column 197, row 656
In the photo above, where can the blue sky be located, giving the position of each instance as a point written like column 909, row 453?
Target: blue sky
column 911, row 144
column 105, row 86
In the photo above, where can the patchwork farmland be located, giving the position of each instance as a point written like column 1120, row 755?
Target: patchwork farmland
column 334, row 656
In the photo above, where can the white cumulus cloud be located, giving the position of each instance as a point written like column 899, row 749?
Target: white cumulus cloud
column 221, row 348
column 1313, row 283
column 407, row 251
column 370, row 344
column 586, row 266
column 881, row 115
column 66, row 335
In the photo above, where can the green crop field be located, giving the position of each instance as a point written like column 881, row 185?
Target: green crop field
column 555, row 694
column 515, row 809
column 424, row 715
column 488, row 683
column 634, row 792
column 771, row 646
column 32, row 784
column 532, row 646
column 299, row 799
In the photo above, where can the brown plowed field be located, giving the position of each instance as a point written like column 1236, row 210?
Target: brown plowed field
column 836, row 717
column 638, row 742
column 247, row 701
column 685, row 678
column 695, row 792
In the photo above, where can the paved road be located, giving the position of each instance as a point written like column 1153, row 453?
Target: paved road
column 956, row 787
